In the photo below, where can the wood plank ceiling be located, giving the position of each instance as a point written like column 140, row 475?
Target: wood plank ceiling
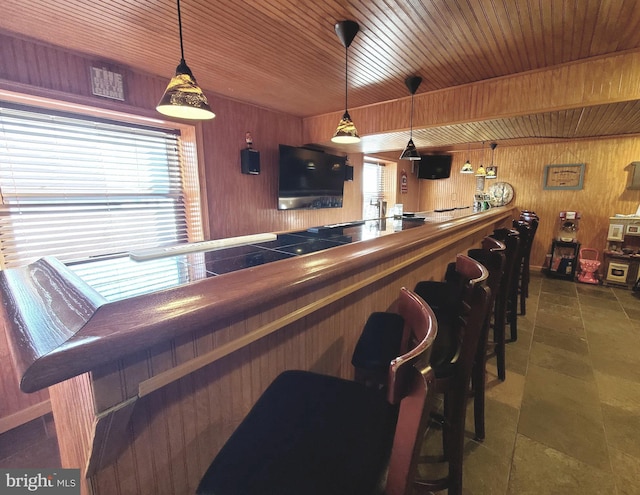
column 284, row 54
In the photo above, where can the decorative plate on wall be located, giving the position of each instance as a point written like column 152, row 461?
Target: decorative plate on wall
column 500, row 193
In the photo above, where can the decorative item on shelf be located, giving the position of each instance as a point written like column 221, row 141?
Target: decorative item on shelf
column 481, row 202
column 410, row 152
column 467, row 168
column 183, row 98
column 346, row 133
column 492, row 170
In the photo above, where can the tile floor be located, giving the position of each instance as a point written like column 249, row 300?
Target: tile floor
column 32, row 445
column 566, row 421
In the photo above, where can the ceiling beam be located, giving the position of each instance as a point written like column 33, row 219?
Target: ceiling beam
column 585, row 83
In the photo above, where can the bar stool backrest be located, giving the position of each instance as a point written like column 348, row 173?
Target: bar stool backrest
column 410, row 376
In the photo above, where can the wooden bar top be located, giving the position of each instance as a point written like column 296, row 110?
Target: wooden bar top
column 60, row 326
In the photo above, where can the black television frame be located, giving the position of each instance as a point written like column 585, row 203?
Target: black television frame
column 434, row 167
column 309, row 179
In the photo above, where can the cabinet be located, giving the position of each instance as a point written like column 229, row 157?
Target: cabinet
column 564, row 259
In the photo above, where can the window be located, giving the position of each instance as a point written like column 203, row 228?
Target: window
column 377, row 185
column 77, row 187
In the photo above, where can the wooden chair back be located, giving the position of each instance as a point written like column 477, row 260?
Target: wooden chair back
column 410, row 376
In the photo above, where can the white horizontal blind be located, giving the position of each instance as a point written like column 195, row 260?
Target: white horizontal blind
column 373, row 188
column 75, row 187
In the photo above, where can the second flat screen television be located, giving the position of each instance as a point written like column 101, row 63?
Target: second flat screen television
column 434, row 166
column 310, row 179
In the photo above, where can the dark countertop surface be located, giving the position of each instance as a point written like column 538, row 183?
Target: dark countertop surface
column 118, row 278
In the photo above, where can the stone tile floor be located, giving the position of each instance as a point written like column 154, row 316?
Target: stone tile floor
column 32, row 445
column 567, row 419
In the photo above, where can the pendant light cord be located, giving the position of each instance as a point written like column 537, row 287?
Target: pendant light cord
column 180, row 28
column 346, row 78
column 411, row 119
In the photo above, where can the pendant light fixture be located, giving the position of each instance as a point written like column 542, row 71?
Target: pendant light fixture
column 346, row 133
column 410, row 152
column 492, row 170
column 467, row 168
column 183, row 98
column 481, row 172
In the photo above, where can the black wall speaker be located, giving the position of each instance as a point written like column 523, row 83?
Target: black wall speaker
column 250, row 161
column 348, row 172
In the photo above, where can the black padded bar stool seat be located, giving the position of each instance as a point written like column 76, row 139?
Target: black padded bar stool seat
column 303, row 430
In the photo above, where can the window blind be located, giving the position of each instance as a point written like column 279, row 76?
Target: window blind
column 74, row 187
column 373, row 188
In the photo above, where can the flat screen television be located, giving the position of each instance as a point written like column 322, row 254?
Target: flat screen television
column 310, row 179
column 434, row 166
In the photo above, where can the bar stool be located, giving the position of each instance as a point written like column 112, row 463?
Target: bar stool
column 463, row 321
column 533, row 220
column 314, row 434
column 506, row 299
column 492, row 257
column 460, row 305
column 526, row 241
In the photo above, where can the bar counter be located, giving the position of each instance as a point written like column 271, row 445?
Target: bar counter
column 148, row 379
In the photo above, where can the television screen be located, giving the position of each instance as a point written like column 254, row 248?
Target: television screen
column 434, row 166
column 310, row 179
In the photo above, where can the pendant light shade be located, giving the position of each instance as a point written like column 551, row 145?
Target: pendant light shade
column 183, row 98
column 410, row 152
column 492, row 169
column 467, row 168
column 346, row 133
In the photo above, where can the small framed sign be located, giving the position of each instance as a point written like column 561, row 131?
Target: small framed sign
column 107, row 84
column 569, row 176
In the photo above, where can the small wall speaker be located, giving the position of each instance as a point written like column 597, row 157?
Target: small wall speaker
column 348, row 172
column 250, row 161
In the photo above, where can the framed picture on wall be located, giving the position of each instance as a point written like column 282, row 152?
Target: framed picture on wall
column 567, row 176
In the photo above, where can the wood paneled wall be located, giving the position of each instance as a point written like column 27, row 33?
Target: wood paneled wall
column 237, row 204
column 242, row 204
column 604, row 193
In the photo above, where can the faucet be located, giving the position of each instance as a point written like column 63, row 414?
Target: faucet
column 381, row 206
